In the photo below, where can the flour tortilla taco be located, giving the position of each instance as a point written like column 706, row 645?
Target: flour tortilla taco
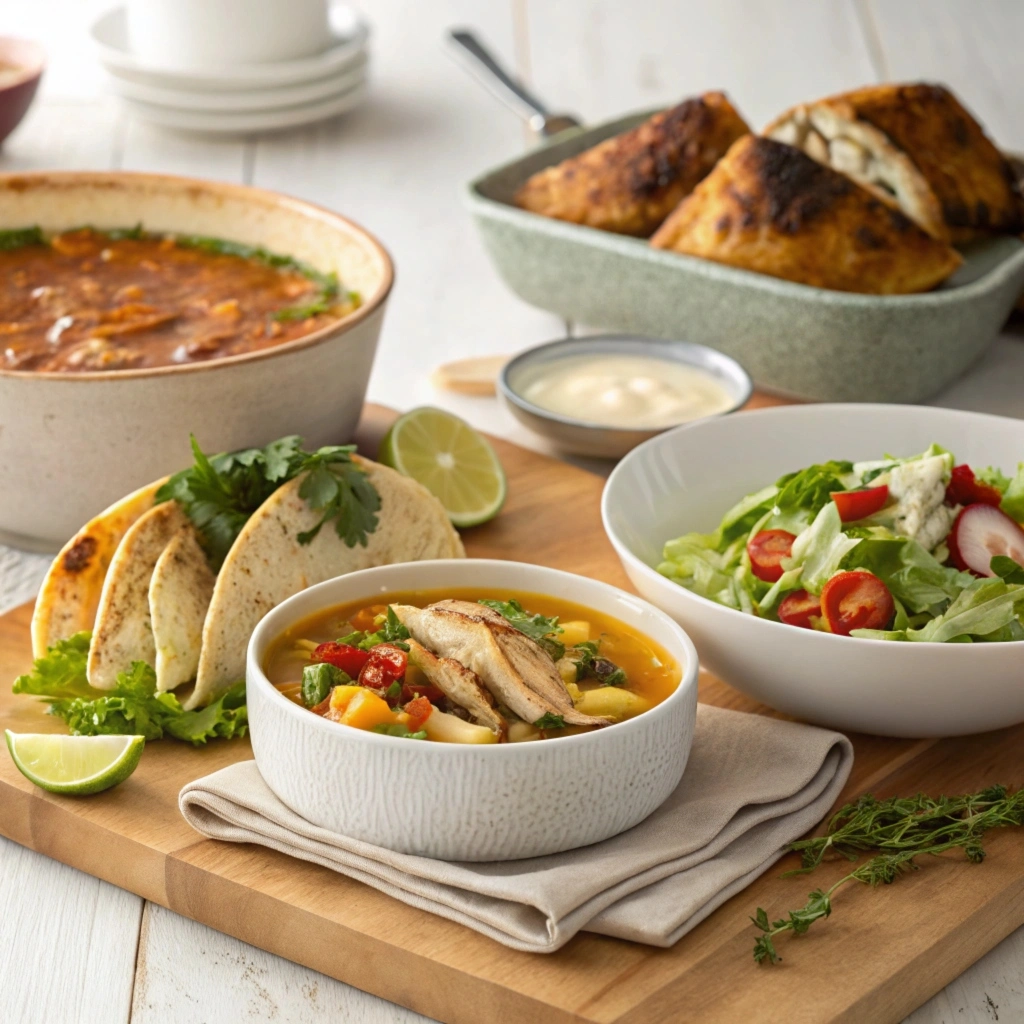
column 269, row 562
column 70, row 594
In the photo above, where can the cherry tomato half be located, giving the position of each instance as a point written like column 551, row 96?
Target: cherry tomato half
column 856, row 600
column 854, row 505
column 797, row 609
column 349, row 659
column 965, row 489
column 767, row 549
column 385, row 666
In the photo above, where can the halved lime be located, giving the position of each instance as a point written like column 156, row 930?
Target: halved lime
column 451, row 460
column 74, row 765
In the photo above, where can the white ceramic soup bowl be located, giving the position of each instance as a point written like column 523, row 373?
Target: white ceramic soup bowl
column 73, row 443
column 687, row 479
column 473, row 803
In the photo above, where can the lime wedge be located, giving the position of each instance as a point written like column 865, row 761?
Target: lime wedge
column 451, row 460
column 74, row 765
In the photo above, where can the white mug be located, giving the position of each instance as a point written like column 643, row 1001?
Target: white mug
column 224, row 33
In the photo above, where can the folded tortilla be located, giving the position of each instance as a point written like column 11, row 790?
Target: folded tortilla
column 267, row 564
column 70, row 594
column 770, row 208
column 179, row 596
column 124, row 631
column 917, row 145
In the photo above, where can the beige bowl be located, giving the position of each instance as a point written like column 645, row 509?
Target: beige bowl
column 72, row 443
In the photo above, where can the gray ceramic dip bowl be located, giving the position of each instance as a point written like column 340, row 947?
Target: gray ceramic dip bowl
column 580, row 437
column 795, row 340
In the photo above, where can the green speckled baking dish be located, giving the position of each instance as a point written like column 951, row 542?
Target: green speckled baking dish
column 793, row 339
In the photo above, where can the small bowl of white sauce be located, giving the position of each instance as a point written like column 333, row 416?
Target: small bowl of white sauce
column 603, row 395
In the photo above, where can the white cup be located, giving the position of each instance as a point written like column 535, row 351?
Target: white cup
column 224, row 33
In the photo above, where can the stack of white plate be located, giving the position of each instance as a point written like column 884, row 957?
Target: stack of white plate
column 241, row 98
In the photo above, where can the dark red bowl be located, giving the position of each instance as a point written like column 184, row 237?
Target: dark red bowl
column 16, row 97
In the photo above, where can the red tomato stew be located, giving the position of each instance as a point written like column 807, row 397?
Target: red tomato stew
column 88, row 300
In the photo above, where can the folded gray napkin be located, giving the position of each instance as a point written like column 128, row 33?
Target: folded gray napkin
column 752, row 785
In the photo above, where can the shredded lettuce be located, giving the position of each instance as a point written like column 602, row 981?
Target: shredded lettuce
column 934, row 602
column 133, row 707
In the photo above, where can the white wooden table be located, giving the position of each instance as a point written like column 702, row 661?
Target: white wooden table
column 73, row 948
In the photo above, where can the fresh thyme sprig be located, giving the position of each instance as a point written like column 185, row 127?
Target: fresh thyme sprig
column 899, row 829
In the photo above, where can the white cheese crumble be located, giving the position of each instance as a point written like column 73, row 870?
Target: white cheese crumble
column 919, row 488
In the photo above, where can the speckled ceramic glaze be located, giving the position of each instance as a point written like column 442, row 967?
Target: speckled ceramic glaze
column 680, row 482
column 73, row 443
column 794, row 339
column 475, row 803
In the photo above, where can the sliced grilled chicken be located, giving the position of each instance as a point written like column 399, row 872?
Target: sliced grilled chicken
column 459, row 685
column 527, row 657
column 469, row 638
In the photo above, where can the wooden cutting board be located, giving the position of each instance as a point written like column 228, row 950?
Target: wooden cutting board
column 880, row 955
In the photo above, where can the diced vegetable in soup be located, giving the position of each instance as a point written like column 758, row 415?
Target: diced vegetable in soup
column 88, row 300
column 470, row 666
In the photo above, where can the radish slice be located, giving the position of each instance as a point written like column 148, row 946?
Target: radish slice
column 980, row 532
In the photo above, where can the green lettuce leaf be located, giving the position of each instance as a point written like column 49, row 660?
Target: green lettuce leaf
column 1013, row 496
column 986, row 610
column 913, row 575
column 133, row 707
column 820, row 549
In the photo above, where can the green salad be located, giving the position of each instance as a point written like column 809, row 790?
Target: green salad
column 911, row 549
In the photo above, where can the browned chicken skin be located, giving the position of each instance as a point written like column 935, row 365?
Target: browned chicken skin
column 770, row 208
column 919, row 144
column 630, row 183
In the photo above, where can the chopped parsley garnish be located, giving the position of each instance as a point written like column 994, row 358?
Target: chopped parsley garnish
column 15, row 238
column 400, row 730
column 219, row 493
column 394, row 690
column 549, row 720
column 391, row 631
column 537, row 627
column 590, row 666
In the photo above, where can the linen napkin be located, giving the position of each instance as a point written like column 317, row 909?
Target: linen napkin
column 751, row 786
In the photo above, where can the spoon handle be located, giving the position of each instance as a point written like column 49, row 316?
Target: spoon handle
column 475, row 57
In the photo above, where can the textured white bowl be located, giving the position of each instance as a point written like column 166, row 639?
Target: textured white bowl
column 686, row 479
column 472, row 803
column 73, row 443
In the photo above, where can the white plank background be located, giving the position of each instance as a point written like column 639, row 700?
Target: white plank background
column 76, row 949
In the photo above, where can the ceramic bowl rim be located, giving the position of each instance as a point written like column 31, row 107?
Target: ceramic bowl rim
column 629, row 557
column 573, row 345
column 683, row 652
column 31, row 71
column 180, row 184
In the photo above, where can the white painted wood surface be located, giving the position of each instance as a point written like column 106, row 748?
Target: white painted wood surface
column 76, row 949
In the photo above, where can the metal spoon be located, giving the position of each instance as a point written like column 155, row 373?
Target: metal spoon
column 478, row 61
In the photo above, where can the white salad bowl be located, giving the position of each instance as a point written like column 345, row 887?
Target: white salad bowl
column 472, row 803
column 686, row 479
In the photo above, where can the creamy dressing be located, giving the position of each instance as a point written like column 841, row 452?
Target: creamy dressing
column 638, row 392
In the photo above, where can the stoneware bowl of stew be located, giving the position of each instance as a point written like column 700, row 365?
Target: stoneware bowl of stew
column 495, row 801
column 21, row 68
column 186, row 307
column 685, row 480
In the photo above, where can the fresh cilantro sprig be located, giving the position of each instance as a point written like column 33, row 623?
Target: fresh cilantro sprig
column 400, row 730
column 549, row 720
column 590, row 665
column 537, row 627
column 133, row 707
column 219, row 493
column 390, row 631
column 897, row 831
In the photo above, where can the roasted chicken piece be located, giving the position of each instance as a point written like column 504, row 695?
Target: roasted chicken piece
column 517, row 671
column 630, row 183
column 459, row 685
column 770, row 208
column 916, row 145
